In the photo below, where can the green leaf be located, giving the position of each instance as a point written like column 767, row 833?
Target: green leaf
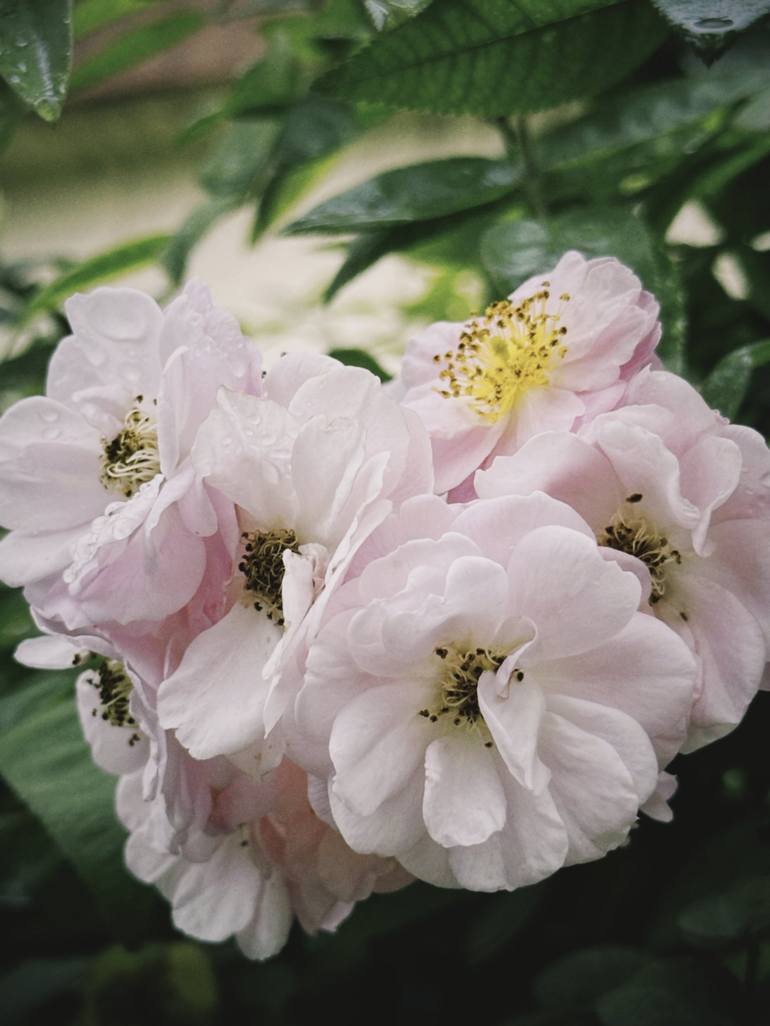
column 721, row 174
column 127, row 257
column 132, row 48
column 284, row 188
column 312, row 130
column 359, row 358
column 274, row 81
column 729, row 854
column 617, row 123
column 364, row 251
column 173, row 984
column 196, row 225
column 387, row 14
column 675, row 991
column 755, row 116
column 513, row 251
column 45, row 760
column 240, row 163
column 421, row 192
column 36, row 52
column 726, row 386
column 35, row 982
column 15, row 620
column 740, row 914
column 28, row 860
column 442, row 241
column 494, row 57
column 710, row 24
column 11, row 113
column 582, row 976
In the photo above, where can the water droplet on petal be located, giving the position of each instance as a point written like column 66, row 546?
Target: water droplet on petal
column 96, row 356
column 49, row 416
column 90, row 411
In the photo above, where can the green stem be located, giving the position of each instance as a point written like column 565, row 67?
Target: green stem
column 518, row 145
column 531, row 169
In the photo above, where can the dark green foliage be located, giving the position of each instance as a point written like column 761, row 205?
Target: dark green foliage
column 45, row 760
column 726, row 386
column 239, row 163
column 423, row 192
column 738, row 916
column 493, row 57
column 677, row 991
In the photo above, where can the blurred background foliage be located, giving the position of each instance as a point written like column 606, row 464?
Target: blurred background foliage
column 341, row 173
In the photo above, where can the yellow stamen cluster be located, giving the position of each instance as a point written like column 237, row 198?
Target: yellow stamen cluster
column 635, row 536
column 512, row 348
column 458, row 698
column 262, row 567
column 131, row 458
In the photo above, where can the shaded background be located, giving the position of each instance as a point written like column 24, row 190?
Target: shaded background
column 189, row 144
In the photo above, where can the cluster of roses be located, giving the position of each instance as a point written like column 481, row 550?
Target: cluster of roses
column 340, row 635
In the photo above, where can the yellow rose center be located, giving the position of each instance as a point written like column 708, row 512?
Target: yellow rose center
column 502, row 355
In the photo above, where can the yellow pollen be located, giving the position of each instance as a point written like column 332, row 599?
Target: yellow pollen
column 501, row 355
column 131, row 458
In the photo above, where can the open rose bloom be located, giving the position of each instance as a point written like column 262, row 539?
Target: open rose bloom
column 335, row 636
column 556, row 351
